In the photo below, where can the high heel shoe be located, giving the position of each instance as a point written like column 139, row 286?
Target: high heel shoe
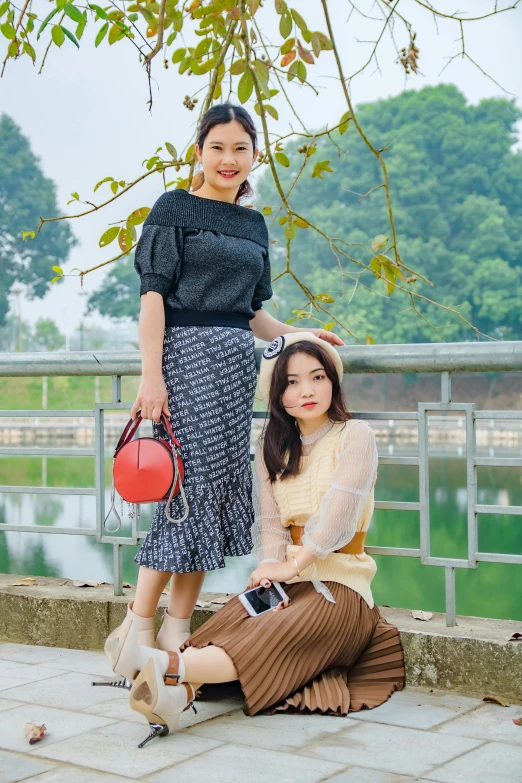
column 160, row 704
column 121, row 647
column 173, row 633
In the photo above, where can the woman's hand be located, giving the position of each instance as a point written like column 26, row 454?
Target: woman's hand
column 152, row 399
column 272, row 572
column 328, row 337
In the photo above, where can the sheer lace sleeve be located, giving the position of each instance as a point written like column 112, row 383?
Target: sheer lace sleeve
column 335, row 524
column 269, row 536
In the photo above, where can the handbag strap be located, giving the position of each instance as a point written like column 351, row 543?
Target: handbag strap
column 132, row 427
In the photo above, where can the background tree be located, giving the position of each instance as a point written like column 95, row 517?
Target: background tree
column 458, row 214
column 224, row 44
column 25, row 194
column 119, row 294
column 47, row 335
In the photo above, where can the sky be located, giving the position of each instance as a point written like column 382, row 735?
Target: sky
column 86, row 115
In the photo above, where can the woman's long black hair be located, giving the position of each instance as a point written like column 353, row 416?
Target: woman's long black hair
column 222, row 114
column 281, row 439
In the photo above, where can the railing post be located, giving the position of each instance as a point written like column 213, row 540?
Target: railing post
column 118, row 582
column 451, row 609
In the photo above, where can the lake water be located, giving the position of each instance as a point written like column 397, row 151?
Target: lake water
column 492, row 590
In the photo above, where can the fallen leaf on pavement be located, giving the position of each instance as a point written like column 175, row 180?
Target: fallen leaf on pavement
column 127, row 584
column 27, row 580
column 202, row 604
column 88, row 583
column 34, row 733
column 496, row 701
column 418, row 614
column 515, row 637
column 221, row 599
column 517, row 721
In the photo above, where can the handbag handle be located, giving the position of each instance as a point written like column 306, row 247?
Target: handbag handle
column 132, row 427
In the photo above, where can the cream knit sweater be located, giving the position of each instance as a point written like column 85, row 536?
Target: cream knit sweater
column 332, row 497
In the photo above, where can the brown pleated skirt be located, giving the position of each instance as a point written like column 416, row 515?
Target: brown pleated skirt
column 313, row 656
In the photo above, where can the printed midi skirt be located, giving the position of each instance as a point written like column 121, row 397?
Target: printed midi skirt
column 210, row 374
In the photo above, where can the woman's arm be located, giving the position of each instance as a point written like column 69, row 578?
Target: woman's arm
column 269, row 537
column 265, row 327
column 152, row 392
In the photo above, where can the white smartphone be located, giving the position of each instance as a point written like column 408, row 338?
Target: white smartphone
column 262, row 599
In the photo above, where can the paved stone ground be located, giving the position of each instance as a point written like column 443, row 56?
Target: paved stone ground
column 92, row 734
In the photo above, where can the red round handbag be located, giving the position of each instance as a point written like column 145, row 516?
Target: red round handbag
column 148, row 470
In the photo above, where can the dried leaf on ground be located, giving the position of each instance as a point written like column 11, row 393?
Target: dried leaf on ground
column 222, row 599
column 515, row 637
column 127, row 584
column 34, row 733
column 27, row 580
column 496, row 701
column 517, row 721
column 418, row 614
column 202, row 604
column 88, row 583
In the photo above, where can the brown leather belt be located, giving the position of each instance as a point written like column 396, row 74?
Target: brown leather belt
column 354, row 547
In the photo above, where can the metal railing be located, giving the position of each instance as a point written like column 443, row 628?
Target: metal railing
column 444, row 358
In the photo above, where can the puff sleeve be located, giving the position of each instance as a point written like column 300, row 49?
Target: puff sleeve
column 340, row 509
column 263, row 289
column 269, row 537
column 158, row 258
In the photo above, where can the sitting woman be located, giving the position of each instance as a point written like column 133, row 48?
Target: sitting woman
column 328, row 650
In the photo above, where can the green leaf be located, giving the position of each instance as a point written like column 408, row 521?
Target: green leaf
column 270, row 110
column 325, row 298
column 75, row 196
column 189, row 153
column 290, row 230
column 172, row 37
column 27, row 235
column 281, row 7
column 102, row 32
column 28, row 49
column 329, row 326
column 171, row 150
column 114, row 187
column 203, row 47
column 238, row 67
column 101, row 13
column 345, row 119
column 245, row 87
column 139, row 215
column 115, row 34
column 14, row 48
column 282, row 159
column 288, row 45
column 4, row 7
column 57, row 269
column 131, row 231
column 285, row 25
column 375, row 266
column 124, row 240
column 57, row 35
column 109, row 236
column 320, row 166
column 369, row 340
column 282, row 220
column 46, row 22
column 70, row 36
column 73, row 13
column 58, row 277
column 378, row 242
column 178, row 55
column 389, row 282
column 267, row 210
column 300, row 22
column 102, row 182
column 300, row 223
column 8, row 31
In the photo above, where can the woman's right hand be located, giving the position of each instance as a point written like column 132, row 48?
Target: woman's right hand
column 152, row 399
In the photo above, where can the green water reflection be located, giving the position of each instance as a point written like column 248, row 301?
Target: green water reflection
column 492, row 590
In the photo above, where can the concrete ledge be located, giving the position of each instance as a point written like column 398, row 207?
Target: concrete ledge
column 473, row 658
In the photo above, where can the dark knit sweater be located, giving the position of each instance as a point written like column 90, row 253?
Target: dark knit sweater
column 203, row 256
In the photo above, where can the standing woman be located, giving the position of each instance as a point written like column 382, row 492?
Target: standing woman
column 204, row 266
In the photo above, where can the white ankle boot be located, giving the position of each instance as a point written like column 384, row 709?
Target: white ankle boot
column 121, row 647
column 173, row 633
